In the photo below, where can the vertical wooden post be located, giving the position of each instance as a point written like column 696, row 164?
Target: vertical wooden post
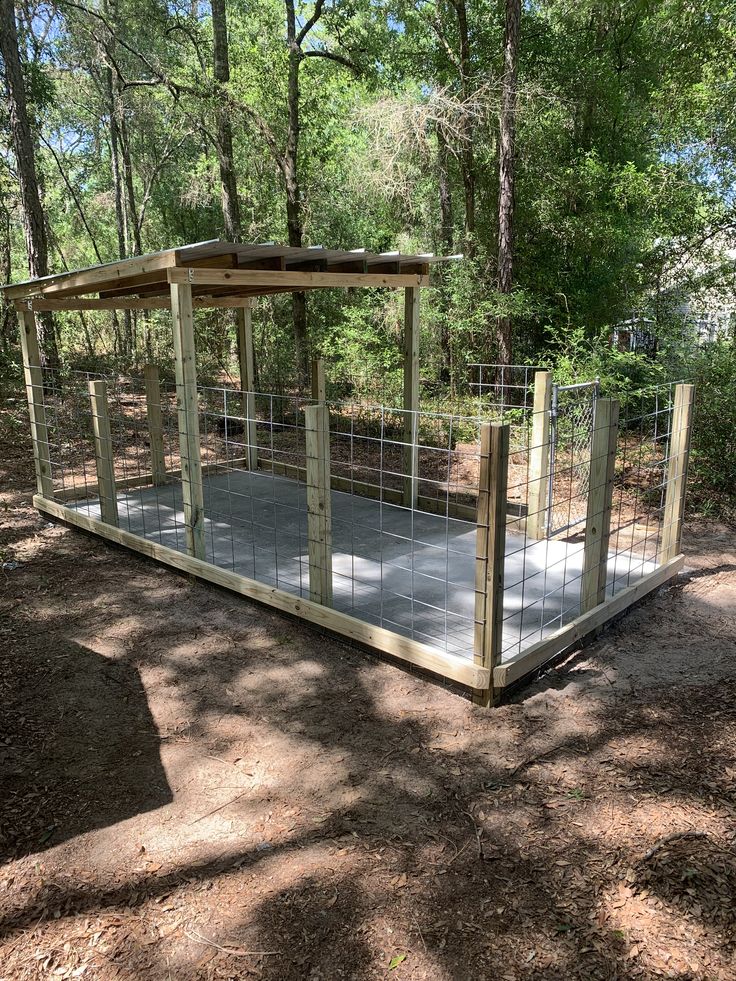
column 411, row 396
column 155, row 424
column 679, row 456
column 248, row 382
column 319, row 504
column 36, row 409
column 188, row 410
column 104, row 456
column 600, row 502
column 490, row 552
column 319, row 386
column 538, row 500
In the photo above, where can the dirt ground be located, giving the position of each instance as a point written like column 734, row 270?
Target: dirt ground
column 192, row 787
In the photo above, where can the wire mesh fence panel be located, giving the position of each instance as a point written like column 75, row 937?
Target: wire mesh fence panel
column 572, row 419
column 497, row 387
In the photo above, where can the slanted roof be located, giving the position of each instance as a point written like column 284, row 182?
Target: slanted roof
column 231, row 269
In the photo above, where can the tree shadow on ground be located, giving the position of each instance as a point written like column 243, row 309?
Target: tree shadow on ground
column 83, row 756
column 474, row 842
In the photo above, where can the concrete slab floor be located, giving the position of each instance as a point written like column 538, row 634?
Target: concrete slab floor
column 405, row 570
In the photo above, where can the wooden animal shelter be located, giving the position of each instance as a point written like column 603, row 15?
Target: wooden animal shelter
column 474, row 546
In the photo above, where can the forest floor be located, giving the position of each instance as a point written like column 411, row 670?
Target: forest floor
column 194, row 787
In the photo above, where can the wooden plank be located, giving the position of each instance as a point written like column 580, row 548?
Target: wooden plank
column 130, row 303
column 87, row 280
column 679, row 457
column 294, row 280
column 33, row 376
column 104, row 454
column 319, row 504
column 600, row 501
column 438, row 662
column 248, row 383
column 537, row 517
column 490, row 553
column 411, row 397
column 188, row 412
column 319, row 385
column 155, row 424
column 78, row 492
column 547, row 648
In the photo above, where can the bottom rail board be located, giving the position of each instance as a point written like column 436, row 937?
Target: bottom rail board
column 423, row 656
column 534, row 657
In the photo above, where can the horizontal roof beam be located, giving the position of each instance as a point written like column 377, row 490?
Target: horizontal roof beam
column 293, row 280
column 41, row 304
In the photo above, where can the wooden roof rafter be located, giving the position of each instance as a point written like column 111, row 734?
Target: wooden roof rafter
column 222, row 273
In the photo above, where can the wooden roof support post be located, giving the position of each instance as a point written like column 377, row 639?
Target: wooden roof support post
column 319, row 503
column 319, row 385
column 155, row 424
column 490, row 553
column 537, row 513
column 411, row 396
column 600, row 503
column 188, row 410
column 104, row 453
column 679, row 455
column 36, row 409
column 248, row 382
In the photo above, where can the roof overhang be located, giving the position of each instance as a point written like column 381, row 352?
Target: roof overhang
column 221, row 274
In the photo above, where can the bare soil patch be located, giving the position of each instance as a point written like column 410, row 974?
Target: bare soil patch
column 193, row 787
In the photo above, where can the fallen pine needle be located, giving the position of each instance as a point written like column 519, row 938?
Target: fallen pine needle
column 228, row 949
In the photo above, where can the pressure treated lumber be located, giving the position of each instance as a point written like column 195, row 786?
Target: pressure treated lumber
column 458, row 669
column 319, row 384
column 600, row 502
column 534, row 657
column 538, row 516
column 293, row 280
column 188, row 413
column 679, row 455
column 490, row 552
column 129, row 302
column 155, row 424
column 319, row 504
column 104, row 453
column 248, row 383
column 33, row 376
column 411, row 397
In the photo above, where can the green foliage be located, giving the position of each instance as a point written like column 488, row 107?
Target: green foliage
column 713, row 452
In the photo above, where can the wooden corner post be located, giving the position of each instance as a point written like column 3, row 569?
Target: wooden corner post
column 538, row 502
column 319, row 505
column 188, row 410
column 104, row 455
column 679, row 456
column 319, row 385
column 155, row 424
column 411, row 396
column 36, row 409
column 248, row 381
column 600, row 502
column 490, row 552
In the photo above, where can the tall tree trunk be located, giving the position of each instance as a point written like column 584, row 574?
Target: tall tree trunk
column 228, row 182
column 6, row 309
column 293, row 196
column 467, row 152
column 34, row 226
column 118, row 187
column 447, row 240
column 507, row 131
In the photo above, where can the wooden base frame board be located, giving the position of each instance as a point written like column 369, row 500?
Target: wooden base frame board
column 438, row 662
column 562, row 640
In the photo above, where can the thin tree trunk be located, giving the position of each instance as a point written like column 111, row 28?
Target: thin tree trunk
column 6, row 309
column 293, row 196
column 118, row 181
column 34, row 226
column 447, row 240
column 507, row 131
column 467, row 152
column 228, row 182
